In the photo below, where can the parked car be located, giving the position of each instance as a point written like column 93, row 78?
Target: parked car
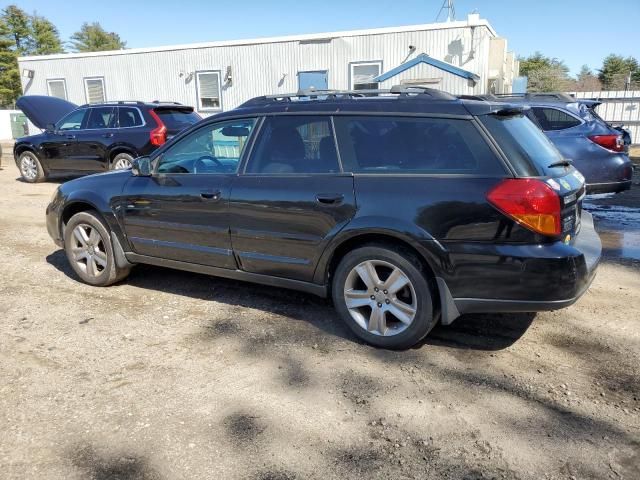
column 597, row 149
column 406, row 206
column 93, row 138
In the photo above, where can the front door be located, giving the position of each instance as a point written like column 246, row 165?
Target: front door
column 94, row 140
column 291, row 199
column 60, row 145
column 181, row 211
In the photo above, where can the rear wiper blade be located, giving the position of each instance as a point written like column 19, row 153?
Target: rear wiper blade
column 561, row 163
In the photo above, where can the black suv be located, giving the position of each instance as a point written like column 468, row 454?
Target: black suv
column 406, row 206
column 93, row 138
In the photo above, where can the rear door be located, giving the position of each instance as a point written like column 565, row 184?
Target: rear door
column 94, row 140
column 291, row 199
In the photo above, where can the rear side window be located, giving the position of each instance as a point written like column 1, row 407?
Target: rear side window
column 129, row 117
column 295, row 144
column 554, row 119
column 528, row 149
column 101, row 117
column 176, row 119
column 414, row 145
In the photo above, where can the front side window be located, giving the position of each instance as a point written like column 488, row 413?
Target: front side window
column 94, row 90
column 362, row 75
column 554, row 119
column 376, row 144
column 101, row 117
column 129, row 117
column 214, row 148
column 208, row 85
column 73, row 121
column 295, row 144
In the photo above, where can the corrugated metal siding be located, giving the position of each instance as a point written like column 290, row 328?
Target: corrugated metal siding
column 618, row 107
column 265, row 68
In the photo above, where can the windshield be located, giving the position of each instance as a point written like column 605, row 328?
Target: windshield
column 177, row 119
column 528, row 149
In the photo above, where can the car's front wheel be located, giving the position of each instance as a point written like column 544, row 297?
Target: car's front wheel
column 87, row 244
column 121, row 161
column 30, row 168
column 383, row 295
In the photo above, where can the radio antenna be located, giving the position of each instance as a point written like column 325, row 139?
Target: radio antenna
column 449, row 8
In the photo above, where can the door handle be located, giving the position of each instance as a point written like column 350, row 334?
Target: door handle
column 71, row 137
column 211, row 195
column 107, row 135
column 329, row 198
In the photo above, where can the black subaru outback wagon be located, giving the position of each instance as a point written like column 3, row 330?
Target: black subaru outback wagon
column 407, row 207
column 93, row 138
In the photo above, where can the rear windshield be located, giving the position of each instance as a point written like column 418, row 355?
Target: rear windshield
column 528, row 149
column 176, row 119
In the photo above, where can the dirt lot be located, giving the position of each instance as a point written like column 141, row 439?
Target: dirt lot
column 172, row 375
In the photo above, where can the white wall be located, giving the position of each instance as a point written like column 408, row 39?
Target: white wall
column 260, row 68
column 5, row 124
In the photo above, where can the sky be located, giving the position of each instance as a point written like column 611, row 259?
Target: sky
column 580, row 32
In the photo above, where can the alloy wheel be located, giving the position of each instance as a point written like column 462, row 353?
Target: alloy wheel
column 28, row 167
column 380, row 297
column 121, row 164
column 88, row 250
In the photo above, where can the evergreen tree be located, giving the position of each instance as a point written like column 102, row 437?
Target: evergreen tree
column 10, row 88
column 93, row 38
column 44, row 38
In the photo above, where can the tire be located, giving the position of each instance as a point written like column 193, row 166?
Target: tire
column 121, row 161
column 361, row 314
column 91, row 254
column 30, row 167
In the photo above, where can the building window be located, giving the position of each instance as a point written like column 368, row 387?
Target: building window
column 57, row 88
column 94, row 90
column 363, row 73
column 208, row 88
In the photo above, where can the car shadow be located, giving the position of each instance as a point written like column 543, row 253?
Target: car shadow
column 483, row 332
column 58, row 180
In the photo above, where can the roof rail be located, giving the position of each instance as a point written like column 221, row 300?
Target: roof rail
column 115, row 102
column 168, row 102
column 565, row 97
column 314, row 94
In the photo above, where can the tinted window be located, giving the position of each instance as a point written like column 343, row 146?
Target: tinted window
column 73, row 121
column 176, row 119
column 295, row 144
column 523, row 143
column 100, row 117
column 214, row 148
column 554, row 119
column 129, row 117
column 414, row 145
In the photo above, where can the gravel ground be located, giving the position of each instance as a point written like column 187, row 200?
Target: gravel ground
column 172, row 375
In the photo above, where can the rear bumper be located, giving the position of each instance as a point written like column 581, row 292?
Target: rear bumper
column 610, row 187
column 556, row 277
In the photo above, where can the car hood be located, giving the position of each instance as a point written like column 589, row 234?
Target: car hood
column 43, row 110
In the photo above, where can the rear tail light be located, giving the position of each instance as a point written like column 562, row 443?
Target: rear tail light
column 530, row 202
column 159, row 134
column 615, row 143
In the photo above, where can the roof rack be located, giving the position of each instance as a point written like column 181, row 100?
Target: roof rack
column 314, row 94
column 565, row 97
column 115, row 102
column 167, row 102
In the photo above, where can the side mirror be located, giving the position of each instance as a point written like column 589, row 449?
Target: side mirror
column 141, row 167
column 50, row 127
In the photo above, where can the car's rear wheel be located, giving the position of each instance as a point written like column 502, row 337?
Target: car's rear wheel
column 30, row 168
column 87, row 244
column 121, row 161
column 383, row 295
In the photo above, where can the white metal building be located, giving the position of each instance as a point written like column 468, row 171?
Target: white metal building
column 461, row 57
